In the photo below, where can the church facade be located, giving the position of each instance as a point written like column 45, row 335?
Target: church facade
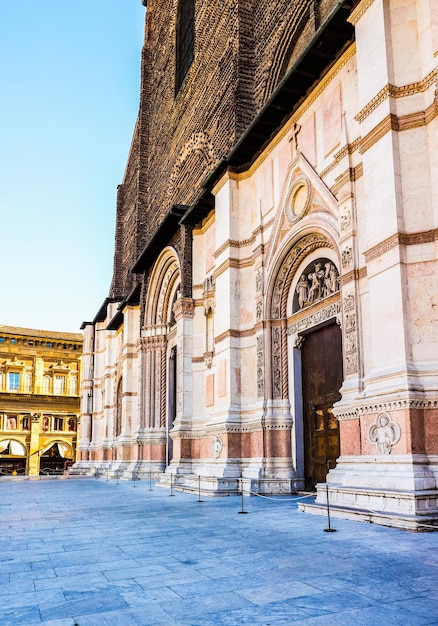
column 272, row 319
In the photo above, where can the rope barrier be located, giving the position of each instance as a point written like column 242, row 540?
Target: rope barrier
column 313, row 495
column 259, row 495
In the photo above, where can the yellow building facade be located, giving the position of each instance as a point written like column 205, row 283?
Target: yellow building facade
column 39, row 400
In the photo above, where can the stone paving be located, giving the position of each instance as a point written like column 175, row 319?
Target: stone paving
column 91, row 552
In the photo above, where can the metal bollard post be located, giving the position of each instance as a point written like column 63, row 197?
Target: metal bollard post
column 150, row 481
column 199, row 489
column 171, row 486
column 329, row 529
column 134, row 478
column 107, row 473
column 242, row 511
column 117, row 477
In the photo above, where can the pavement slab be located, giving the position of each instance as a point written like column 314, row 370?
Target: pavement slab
column 96, row 552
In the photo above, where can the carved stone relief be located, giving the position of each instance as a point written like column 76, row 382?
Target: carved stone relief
column 259, row 280
column 284, row 277
column 314, row 319
column 345, row 218
column 384, row 433
column 259, row 310
column 217, row 446
column 276, row 361
column 350, row 337
column 260, row 368
column 347, row 257
column 318, row 283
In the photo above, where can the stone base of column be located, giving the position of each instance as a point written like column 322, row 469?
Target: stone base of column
column 399, row 491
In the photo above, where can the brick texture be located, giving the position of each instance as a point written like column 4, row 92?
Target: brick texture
column 242, row 50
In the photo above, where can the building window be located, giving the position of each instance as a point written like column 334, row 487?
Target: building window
column 59, row 385
column 58, row 423
column 73, row 386
column 11, row 422
column 46, row 384
column 25, row 423
column 28, row 383
column 13, row 381
column 185, row 40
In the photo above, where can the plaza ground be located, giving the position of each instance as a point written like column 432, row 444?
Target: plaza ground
column 97, row 552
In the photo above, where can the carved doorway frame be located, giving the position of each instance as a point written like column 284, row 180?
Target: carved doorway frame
column 287, row 327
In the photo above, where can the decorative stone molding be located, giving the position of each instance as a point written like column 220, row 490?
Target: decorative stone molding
column 391, row 91
column 406, row 239
column 260, row 367
column 276, row 362
column 298, row 200
column 350, row 334
column 184, row 307
column 217, row 446
column 386, row 407
column 360, row 10
column 384, row 433
column 299, row 341
column 333, row 310
column 208, row 359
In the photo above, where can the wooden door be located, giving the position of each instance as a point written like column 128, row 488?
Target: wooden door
column 321, row 380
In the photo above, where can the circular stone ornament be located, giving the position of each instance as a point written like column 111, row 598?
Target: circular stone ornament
column 298, row 199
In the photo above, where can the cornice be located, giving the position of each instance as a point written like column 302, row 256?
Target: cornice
column 402, row 239
column 390, row 405
column 359, row 11
column 391, row 91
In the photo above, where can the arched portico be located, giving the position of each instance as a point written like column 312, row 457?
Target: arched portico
column 163, row 348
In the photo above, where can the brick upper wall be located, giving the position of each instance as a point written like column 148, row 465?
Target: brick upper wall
column 242, row 49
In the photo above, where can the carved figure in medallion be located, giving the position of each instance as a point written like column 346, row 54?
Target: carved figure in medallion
column 384, row 433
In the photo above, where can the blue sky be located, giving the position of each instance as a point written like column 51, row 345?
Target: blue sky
column 70, row 75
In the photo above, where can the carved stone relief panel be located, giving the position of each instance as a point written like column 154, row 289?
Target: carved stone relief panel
column 347, row 257
column 284, row 278
column 319, row 280
column 350, row 334
column 384, row 433
column 260, row 368
column 276, row 362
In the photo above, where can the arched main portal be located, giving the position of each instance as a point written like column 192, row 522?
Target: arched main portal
column 306, row 348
